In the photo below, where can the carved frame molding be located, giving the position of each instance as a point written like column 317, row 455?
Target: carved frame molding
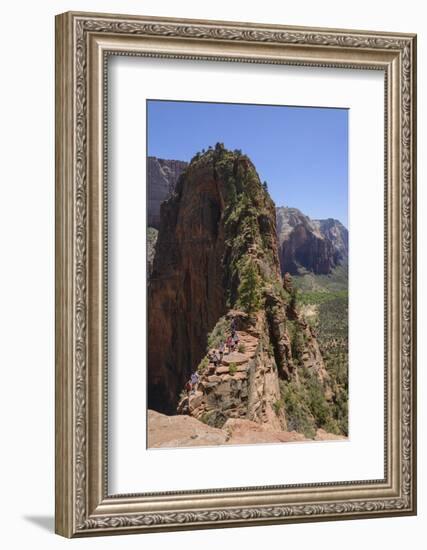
column 83, row 42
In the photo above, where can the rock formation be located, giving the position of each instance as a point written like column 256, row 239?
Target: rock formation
column 162, row 176
column 245, row 384
column 216, row 264
column 312, row 245
column 272, row 346
column 152, row 234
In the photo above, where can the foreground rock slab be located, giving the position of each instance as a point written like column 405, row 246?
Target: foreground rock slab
column 246, row 432
column 181, row 431
column 186, row 431
column 321, row 435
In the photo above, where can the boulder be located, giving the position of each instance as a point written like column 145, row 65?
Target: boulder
column 181, row 431
column 236, row 358
column 214, row 378
column 240, row 376
column 222, row 370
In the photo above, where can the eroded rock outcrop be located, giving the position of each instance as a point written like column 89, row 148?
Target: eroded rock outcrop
column 245, row 384
column 217, row 265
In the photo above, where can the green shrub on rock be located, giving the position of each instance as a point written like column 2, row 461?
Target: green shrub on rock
column 203, row 365
column 250, row 291
column 218, row 333
column 232, row 368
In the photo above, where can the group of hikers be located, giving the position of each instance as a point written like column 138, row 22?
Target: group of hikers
column 216, row 356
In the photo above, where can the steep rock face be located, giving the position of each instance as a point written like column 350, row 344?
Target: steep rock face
column 216, row 260
column 162, row 176
column 186, row 293
column 152, row 234
column 312, row 245
column 274, row 345
column 244, row 385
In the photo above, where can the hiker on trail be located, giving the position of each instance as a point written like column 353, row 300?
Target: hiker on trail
column 194, row 381
column 188, row 387
column 215, row 359
column 236, row 339
column 229, row 344
column 221, row 351
column 233, row 325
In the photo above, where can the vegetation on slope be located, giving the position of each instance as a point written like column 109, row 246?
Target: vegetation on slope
column 306, row 406
column 249, row 260
column 249, row 291
column 330, row 321
column 336, row 281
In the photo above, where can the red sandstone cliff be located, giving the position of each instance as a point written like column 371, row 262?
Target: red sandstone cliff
column 217, row 235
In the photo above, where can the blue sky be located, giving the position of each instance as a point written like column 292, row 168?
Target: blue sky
column 302, row 152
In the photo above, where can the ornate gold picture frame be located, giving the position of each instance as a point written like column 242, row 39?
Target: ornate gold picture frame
column 84, row 505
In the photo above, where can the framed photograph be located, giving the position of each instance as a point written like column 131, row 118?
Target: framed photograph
column 235, row 274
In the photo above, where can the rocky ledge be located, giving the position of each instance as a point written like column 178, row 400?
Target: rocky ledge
column 185, row 431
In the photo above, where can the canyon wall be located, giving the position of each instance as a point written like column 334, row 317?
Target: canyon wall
column 162, row 176
column 317, row 246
